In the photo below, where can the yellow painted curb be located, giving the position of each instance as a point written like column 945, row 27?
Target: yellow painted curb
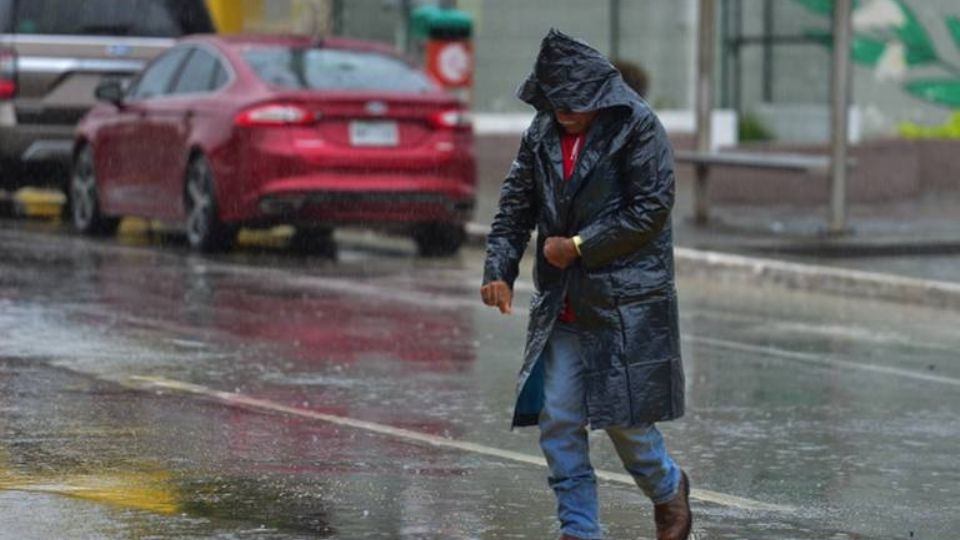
column 42, row 203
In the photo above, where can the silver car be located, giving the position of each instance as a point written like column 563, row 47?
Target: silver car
column 54, row 53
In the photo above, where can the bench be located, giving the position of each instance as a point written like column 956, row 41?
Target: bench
column 702, row 161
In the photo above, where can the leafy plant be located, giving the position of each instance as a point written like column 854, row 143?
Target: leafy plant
column 752, row 129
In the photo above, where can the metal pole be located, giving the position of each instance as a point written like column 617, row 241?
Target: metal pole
column 704, row 104
column 737, row 56
column 405, row 35
column 338, row 25
column 840, row 98
column 725, row 50
column 768, row 34
column 615, row 29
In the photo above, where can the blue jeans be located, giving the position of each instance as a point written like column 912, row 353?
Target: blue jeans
column 563, row 439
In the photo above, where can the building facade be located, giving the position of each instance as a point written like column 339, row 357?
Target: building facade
column 772, row 63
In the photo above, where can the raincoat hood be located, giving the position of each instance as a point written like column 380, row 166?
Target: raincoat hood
column 571, row 75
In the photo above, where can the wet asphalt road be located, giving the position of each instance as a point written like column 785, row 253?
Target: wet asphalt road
column 370, row 397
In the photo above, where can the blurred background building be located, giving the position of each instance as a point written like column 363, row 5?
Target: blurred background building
column 773, row 57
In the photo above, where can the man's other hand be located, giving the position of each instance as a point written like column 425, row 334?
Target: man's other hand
column 560, row 251
column 499, row 294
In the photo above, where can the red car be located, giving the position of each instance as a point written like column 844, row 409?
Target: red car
column 223, row 132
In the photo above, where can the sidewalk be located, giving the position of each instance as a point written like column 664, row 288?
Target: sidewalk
column 906, row 252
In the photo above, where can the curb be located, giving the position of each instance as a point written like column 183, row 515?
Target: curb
column 808, row 277
column 38, row 203
column 819, row 278
column 477, row 234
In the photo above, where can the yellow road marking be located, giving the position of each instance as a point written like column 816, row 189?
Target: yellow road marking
column 134, row 489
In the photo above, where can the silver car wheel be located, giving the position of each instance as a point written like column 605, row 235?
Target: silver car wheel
column 84, row 192
column 199, row 201
column 205, row 231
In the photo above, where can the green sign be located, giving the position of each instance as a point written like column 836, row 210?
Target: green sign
column 437, row 22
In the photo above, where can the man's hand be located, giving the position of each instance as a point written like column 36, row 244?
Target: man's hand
column 560, row 251
column 499, row 294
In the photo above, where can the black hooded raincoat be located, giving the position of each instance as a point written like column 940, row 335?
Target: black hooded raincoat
column 618, row 200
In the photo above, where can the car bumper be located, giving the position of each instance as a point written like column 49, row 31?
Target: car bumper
column 36, row 144
column 372, row 201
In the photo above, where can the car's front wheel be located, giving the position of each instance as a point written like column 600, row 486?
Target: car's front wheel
column 439, row 239
column 84, row 201
column 205, row 231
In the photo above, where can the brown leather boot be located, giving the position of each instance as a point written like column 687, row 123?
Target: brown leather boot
column 673, row 518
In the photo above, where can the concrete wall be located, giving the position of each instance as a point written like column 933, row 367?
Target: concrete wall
column 886, row 170
column 378, row 20
column 657, row 34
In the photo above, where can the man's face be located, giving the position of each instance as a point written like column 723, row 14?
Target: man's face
column 574, row 123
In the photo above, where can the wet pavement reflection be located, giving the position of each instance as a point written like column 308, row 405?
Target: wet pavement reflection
column 842, row 412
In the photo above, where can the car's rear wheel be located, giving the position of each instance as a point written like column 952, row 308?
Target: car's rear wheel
column 439, row 239
column 205, row 231
column 84, row 200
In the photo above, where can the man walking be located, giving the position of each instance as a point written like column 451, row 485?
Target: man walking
column 594, row 176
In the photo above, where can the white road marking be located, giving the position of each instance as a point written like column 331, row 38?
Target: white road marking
column 240, row 400
column 821, row 360
column 758, row 266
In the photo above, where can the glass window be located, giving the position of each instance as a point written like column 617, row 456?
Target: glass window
column 220, row 76
column 6, row 7
column 198, row 74
column 143, row 18
column 334, row 69
column 156, row 80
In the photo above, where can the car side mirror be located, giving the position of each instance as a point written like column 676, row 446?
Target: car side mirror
column 110, row 91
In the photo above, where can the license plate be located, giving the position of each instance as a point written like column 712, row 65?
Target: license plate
column 374, row 134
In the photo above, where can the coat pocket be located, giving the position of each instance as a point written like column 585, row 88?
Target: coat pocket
column 646, row 281
column 656, row 391
column 650, row 330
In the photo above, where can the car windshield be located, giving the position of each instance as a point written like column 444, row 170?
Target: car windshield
column 142, row 18
column 334, row 69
